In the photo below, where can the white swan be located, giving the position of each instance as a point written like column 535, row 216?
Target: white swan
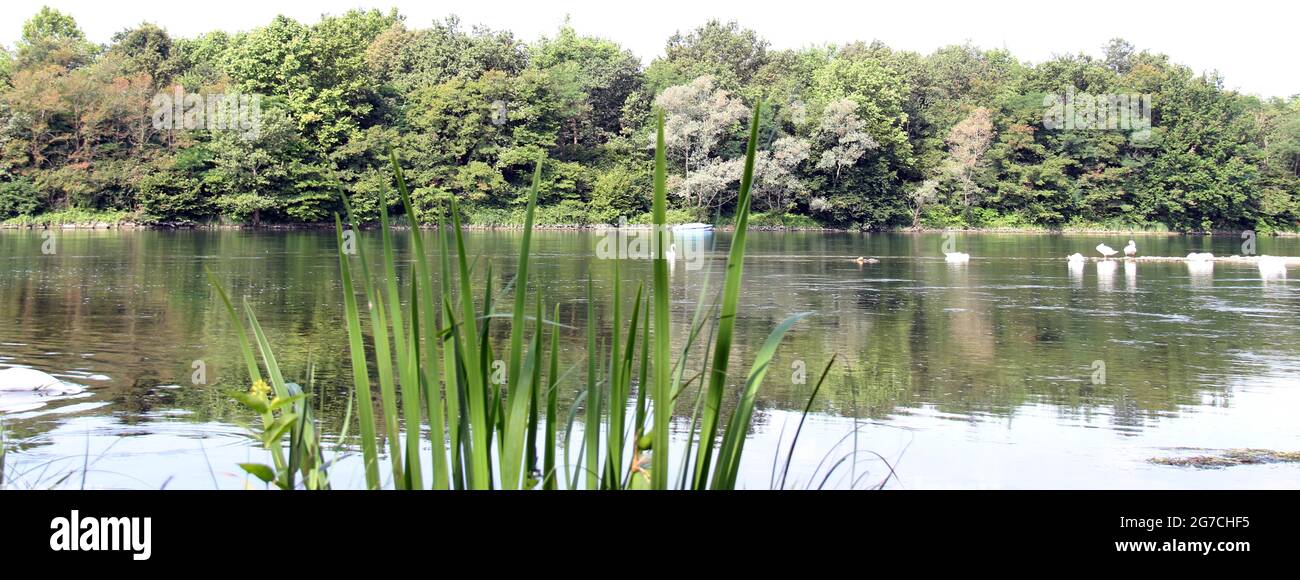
column 1131, row 249
column 671, row 253
column 25, row 379
column 1105, row 251
column 956, row 257
column 1075, row 263
column 23, row 389
column 1200, row 257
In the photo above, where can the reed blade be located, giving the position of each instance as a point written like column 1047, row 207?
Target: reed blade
column 726, row 322
column 661, row 395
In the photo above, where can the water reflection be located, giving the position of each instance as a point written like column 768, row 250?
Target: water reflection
column 1271, row 268
column 1201, row 273
column 1106, row 275
column 1076, row 273
column 1130, row 275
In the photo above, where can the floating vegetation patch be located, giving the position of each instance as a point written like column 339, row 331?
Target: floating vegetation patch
column 1231, row 458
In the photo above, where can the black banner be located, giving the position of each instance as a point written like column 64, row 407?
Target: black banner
column 158, row 530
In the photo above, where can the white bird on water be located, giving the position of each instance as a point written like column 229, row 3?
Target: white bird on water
column 1200, row 257
column 1131, row 250
column 24, row 389
column 1106, row 251
column 956, row 257
column 22, row 379
column 1075, row 264
column 671, row 253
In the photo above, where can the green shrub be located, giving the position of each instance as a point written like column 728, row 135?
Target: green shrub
column 18, row 197
column 619, row 192
column 169, row 196
column 72, row 216
column 780, row 221
column 243, row 207
column 569, row 212
column 491, row 216
column 942, row 217
column 990, row 218
column 673, row 216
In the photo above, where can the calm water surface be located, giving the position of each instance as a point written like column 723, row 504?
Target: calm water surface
column 969, row 376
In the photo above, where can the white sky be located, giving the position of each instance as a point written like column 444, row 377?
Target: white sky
column 1251, row 42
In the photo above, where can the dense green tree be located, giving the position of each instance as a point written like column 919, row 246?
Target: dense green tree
column 145, row 50
column 407, row 60
column 599, row 75
column 730, row 54
column 52, row 37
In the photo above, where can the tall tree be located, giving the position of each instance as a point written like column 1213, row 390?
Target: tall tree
column 698, row 116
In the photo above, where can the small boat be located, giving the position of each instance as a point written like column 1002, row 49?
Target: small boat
column 693, row 227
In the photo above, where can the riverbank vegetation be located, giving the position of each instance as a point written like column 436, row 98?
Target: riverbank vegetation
column 854, row 136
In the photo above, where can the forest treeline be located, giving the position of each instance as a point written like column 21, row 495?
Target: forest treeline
column 853, row 136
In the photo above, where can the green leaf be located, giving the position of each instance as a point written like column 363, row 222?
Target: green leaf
column 255, row 402
column 260, row 471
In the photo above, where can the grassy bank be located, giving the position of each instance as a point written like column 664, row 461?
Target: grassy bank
column 84, row 218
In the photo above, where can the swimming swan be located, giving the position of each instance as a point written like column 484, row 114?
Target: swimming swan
column 1106, row 251
column 19, row 379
